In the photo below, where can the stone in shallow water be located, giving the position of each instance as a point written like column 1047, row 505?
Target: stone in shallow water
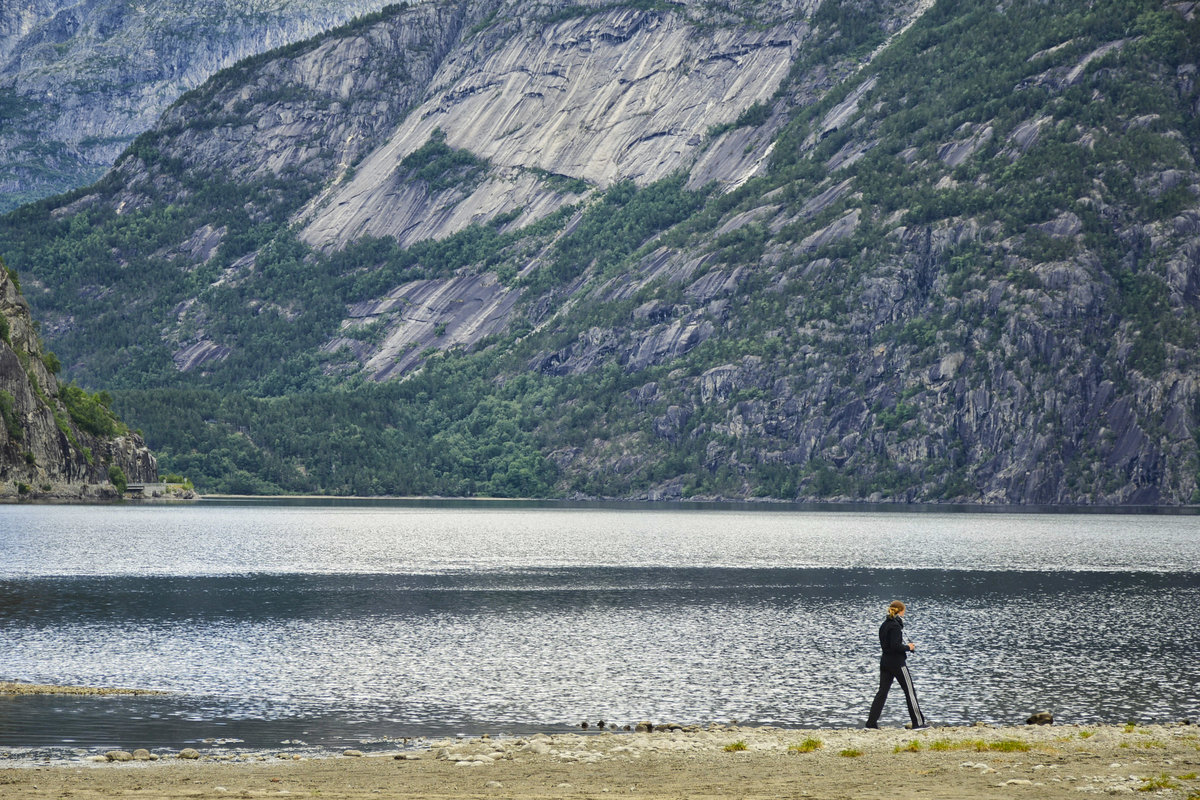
column 189, row 753
column 118, row 755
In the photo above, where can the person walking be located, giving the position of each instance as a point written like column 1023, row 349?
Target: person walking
column 893, row 666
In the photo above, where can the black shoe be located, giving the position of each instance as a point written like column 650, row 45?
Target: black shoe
column 921, row 727
column 872, row 727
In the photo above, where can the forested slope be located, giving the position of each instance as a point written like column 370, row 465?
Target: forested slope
column 908, row 252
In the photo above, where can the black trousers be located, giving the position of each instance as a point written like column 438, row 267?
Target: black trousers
column 886, row 676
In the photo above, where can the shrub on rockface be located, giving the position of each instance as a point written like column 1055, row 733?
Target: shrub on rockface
column 8, row 412
column 91, row 412
column 116, row 476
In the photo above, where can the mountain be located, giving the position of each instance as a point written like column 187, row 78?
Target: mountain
column 80, row 79
column 56, row 439
column 884, row 250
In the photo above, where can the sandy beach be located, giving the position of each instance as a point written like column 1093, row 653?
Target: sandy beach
column 1056, row 761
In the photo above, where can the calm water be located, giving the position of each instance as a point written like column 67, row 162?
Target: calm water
column 325, row 626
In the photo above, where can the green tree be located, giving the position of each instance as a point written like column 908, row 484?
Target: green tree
column 116, row 476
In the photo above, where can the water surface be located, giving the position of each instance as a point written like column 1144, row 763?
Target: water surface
column 357, row 625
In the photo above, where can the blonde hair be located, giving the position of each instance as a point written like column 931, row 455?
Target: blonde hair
column 895, row 608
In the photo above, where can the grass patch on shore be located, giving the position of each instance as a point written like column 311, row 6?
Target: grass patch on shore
column 978, row 745
column 1086, row 734
column 1008, row 746
column 850, row 752
column 1158, row 784
column 807, row 746
column 735, row 747
column 912, row 747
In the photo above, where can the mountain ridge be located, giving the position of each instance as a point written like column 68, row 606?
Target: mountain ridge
column 79, row 80
column 933, row 253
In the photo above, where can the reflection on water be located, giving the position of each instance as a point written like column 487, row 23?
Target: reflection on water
column 211, row 539
column 446, row 621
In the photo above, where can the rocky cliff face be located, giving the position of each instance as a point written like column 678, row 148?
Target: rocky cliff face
column 622, row 94
column 44, row 452
column 549, row 115
column 883, row 249
column 79, row 79
column 625, row 94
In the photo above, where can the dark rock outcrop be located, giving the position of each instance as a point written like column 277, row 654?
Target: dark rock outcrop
column 44, row 453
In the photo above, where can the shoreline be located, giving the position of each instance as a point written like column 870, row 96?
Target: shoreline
column 12, row 688
column 716, row 504
column 982, row 761
column 698, row 503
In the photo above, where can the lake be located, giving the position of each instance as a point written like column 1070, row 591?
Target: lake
column 311, row 626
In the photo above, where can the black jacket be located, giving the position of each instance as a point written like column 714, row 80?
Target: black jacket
column 891, row 640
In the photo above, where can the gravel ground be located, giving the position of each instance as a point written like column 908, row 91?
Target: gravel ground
column 719, row 761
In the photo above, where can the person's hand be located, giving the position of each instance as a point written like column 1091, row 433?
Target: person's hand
column 912, row 646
